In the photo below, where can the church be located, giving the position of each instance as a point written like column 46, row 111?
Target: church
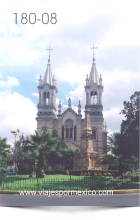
column 69, row 123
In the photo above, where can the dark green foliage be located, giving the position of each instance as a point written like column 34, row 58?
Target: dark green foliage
column 4, row 153
column 107, row 159
column 40, row 143
column 59, row 155
column 130, row 126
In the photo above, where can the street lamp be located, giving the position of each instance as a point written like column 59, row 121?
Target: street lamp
column 15, row 133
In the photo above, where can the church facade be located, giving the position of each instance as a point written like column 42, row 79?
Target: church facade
column 69, row 123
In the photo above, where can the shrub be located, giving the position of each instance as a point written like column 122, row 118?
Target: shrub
column 67, row 172
column 135, row 178
column 3, row 173
column 88, row 173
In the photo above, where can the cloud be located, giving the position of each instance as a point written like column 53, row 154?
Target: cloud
column 16, row 112
column 78, row 94
column 72, row 73
column 12, row 81
column 113, row 119
column 35, row 94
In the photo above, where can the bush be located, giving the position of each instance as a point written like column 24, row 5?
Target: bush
column 83, row 172
column 3, row 173
column 53, row 172
column 88, row 173
column 135, row 178
column 23, row 168
column 67, row 172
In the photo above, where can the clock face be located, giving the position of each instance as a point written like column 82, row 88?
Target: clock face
column 69, row 122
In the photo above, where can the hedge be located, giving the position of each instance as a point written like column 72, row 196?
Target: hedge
column 83, row 172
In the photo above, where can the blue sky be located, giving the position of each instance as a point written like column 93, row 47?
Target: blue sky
column 113, row 26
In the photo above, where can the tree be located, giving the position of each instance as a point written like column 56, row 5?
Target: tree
column 68, row 157
column 4, row 153
column 107, row 159
column 131, row 163
column 25, row 157
column 60, row 154
column 130, row 126
column 118, row 149
column 42, row 143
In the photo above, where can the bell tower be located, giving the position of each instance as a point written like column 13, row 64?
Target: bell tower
column 94, row 90
column 47, row 90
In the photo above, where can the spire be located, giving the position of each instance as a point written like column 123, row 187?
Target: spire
column 48, row 78
column 69, row 103
column 100, row 80
column 40, row 80
column 104, row 128
column 93, row 78
column 79, row 108
column 59, row 108
column 87, row 80
column 87, row 128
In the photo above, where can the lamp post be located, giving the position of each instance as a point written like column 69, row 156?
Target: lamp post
column 15, row 133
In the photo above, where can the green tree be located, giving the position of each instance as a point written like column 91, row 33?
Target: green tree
column 130, row 126
column 118, row 149
column 4, row 153
column 107, row 159
column 132, row 163
column 68, row 157
column 60, row 155
column 43, row 143
column 25, row 157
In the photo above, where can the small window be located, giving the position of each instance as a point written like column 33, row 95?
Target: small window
column 75, row 133
column 48, row 95
column 94, row 133
column 67, row 132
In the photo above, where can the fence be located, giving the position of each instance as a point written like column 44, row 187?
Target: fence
column 16, row 183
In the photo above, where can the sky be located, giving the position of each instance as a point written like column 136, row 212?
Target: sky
column 113, row 27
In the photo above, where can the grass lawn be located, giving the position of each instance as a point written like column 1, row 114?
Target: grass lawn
column 64, row 182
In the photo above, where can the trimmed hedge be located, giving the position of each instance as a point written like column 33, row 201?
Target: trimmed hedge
column 83, row 172
column 93, row 172
column 51, row 172
column 135, row 178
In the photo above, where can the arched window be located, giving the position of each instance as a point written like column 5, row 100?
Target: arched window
column 40, row 98
column 47, row 99
column 48, row 95
column 67, row 132
column 93, row 98
column 75, row 132
column 69, row 128
column 87, row 98
column 44, row 97
column 44, row 129
column 71, row 131
column 94, row 133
